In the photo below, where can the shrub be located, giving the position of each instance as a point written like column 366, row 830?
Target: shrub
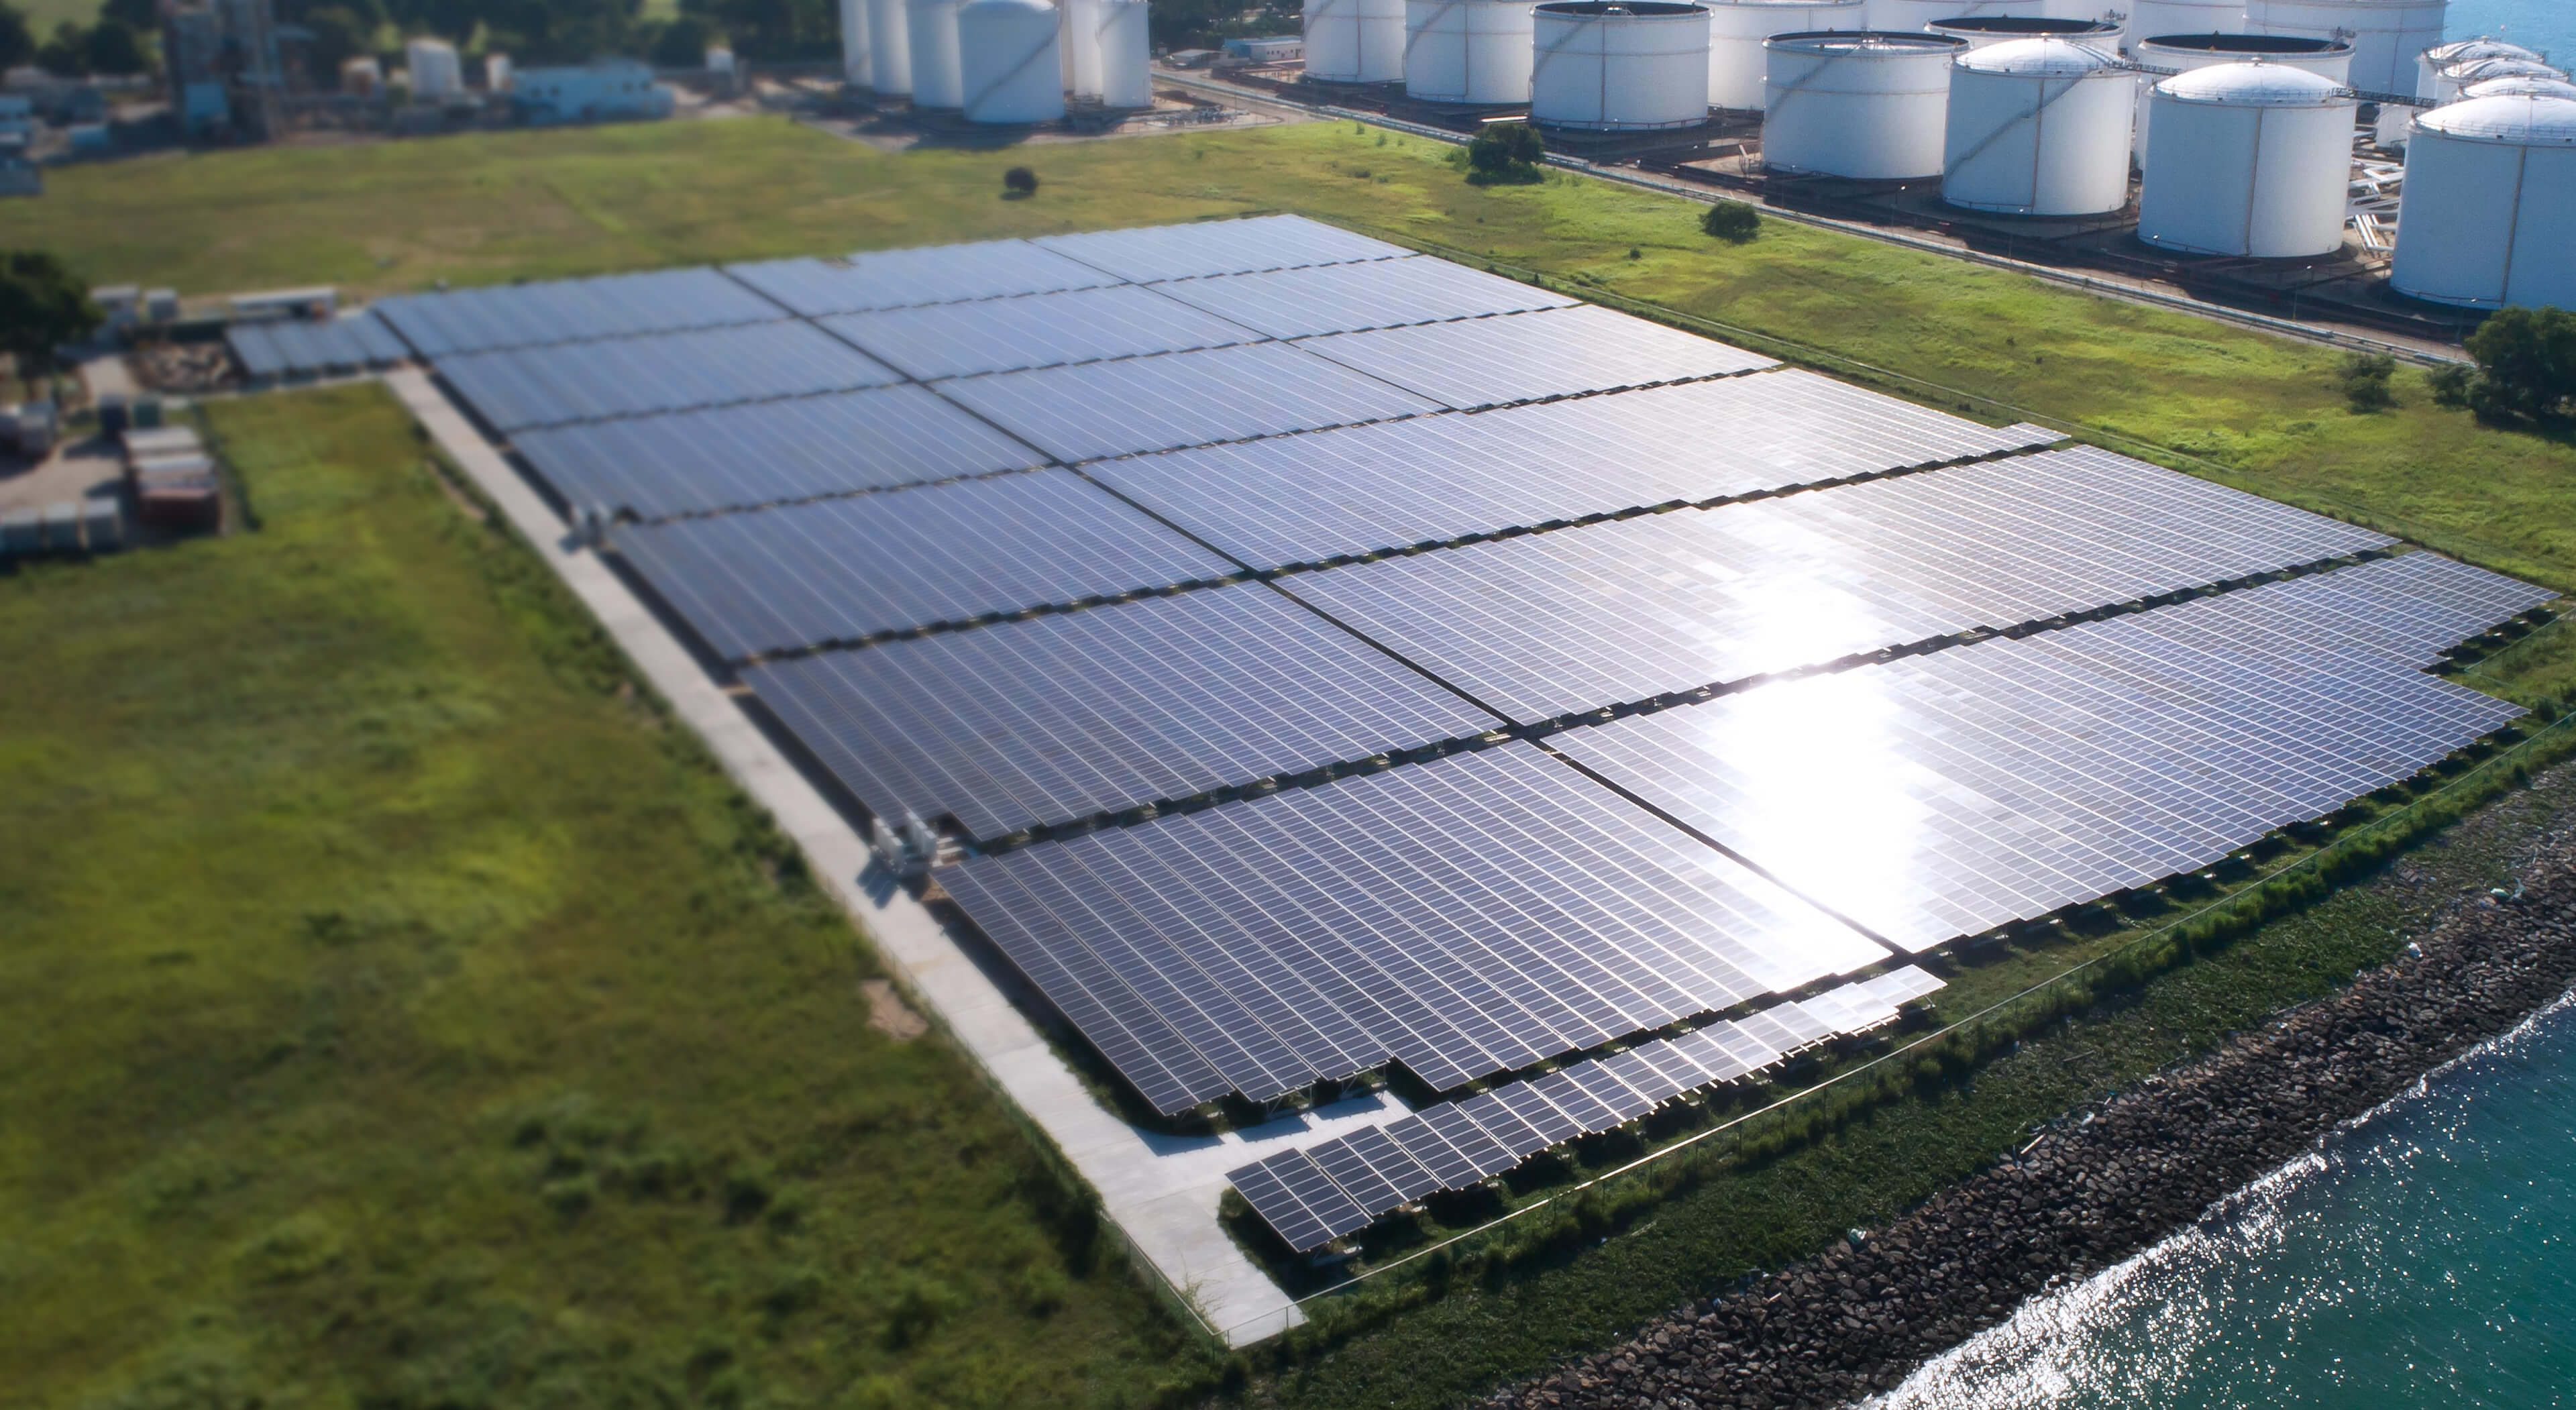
column 2364, row 379
column 2452, row 385
column 1020, row 182
column 1505, row 152
column 2526, row 365
column 1732, row 221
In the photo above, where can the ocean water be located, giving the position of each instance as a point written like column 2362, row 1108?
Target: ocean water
column 2546, row 25
column 2426, row 1256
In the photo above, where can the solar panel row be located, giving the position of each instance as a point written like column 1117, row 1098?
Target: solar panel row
column 311, row 347
column 1548, row 625
column 571, row 310
column 519, row 388
column 1347, row 298
column 1065, row 717
column 1947, row 794
column 839, row 572
column 1532, row 356
column 1471, row 915
column 1149, row 253
column 1041, row 330
column 911, row 278
column 1374, row 1171
column 1428, row 480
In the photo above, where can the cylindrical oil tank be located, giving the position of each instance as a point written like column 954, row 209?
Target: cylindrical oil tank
column 2430, row 63
column 889, row 48
column 1619, row 65
column 2150, row 18
column 1467, row 51
column 1077, row 45
column 2451, row 80
column 2457, row 79
column 1985, row 31
column 2039, row 127
column 1355, row 41
column 2248, row 159
column 2182, row 53
column 1871, row 106
column 1909, row 16
column 856, row 67
column 2490, row 203
column 1737, row 29
column 1126, row 55
column 2520, row 87
column 1010, row 65
column 2386, row 35
column 930, row 26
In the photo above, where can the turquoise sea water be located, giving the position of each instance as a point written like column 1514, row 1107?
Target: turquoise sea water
column 2426, row 1256
column 2546, row 25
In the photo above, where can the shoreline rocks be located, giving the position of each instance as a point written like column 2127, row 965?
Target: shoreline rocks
column 1857, row 1319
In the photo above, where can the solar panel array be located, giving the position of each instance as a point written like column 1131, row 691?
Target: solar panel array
column 1042, row 330
column 1548, row 625
column 518, row 388
column 936, row 274
column 1347, row 298
column 1156, row 252
column 1532, row 356
column 1326, row 1191
column 1068, row 716
column 1947, row 794
column 1467, row 916
column 297, row 347
column 572, row 310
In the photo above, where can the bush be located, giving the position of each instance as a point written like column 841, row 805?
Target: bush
column 2364, row 379
column 2526, row 365
column 1019, row 182
column 1732, row 221
column 1505, row 152
column 2453, row 385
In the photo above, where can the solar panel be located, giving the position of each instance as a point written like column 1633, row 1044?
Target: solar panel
column 1432, row 1147
column 1547, row 625
column 1466, row 916
column 1345, row 298
column 743, row 456
column 1946, row 794
column 1363, row 490
column 519, row 388
column 843, row 571
column 569, row 310
column 1185, row 399
column 1067, row 716
column 1042, row 330
column 934, row 274
column 299, row 347
column 1505, row 1127
column 1390, row 1162
column 1531, row 356
column 1206, row 247
column 1298, row 1200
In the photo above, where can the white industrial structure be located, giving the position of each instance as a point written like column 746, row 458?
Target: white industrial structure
column 2445, row 74
column 856, row 68
column 2039, row 127
column 1980, row 31
column 496, row 73
column 2149, row 19
column 435, row 73
column 1077, row 46
column 2520, row 88
column 2386, row 35
column 1872, row 107
column 1619, row 65
column 1009, row 61
column 2430, row 63
column 1468, row 51
column 2458, row 79
column 2248, row 159
column 1355, row 41
column 930, row 27
column 2490, row 201
column 1126, row 55
column 1909, row 16
column 2183, row 53
column 889, row 49
column 1737, row 29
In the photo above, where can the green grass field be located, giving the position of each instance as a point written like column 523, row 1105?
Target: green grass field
column 397, row 1010
column 547, row 895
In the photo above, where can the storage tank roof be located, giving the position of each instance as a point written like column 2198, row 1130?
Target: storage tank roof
column 1863, row 43
column 1620, row 9
column 2536, row 121
column 2306, row 46
column 2463, row 50
column 2254, row 86
column 2521, row 85
column 2477, row 69
column 2041, row 58
column 2031, row 25
column 990, row 6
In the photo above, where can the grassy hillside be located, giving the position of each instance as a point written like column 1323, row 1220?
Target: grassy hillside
column 395, row 1009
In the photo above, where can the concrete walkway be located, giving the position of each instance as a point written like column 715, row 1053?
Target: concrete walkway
column 1161, row 1190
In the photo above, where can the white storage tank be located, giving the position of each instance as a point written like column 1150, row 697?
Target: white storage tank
column 2248, row 159
column 1872, row 107
column 857, row 69
column 2452, row 82
column 2490, row 204
column 2429, row 64
column 2387, row 35
column 2039, row 127
column 1467, row 51
column 1984, row 31
column 1355, row 41
column 1078, row 46
column 2150, row 18
column 2520, row 88
column 435, row 72
column 1009, row 61
column 1126, row 55
column 930, row 26
column 1737, row 28
column 889, row 49
column 2182, row 53
column 1619, row 65
column 1910, row 16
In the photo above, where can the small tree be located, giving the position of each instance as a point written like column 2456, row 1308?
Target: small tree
column 1019, row 183
column 113, row 47
column 2365, row 382
column 1506, row 153
column 42, row 307
column 17, row 38
column 1732, row 221
column 2526, row 365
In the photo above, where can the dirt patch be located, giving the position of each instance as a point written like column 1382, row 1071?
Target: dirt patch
column 889, row 1014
